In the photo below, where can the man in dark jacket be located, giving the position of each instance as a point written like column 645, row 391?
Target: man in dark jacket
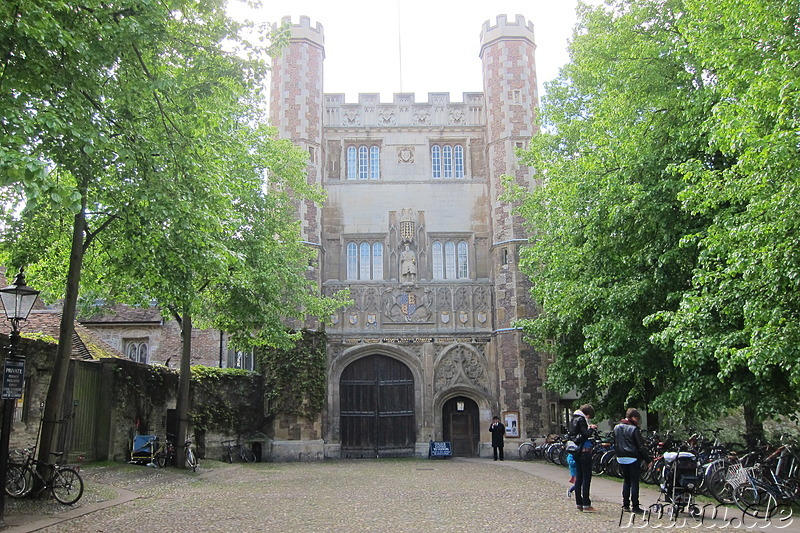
column 498, row 431
column 631, row 454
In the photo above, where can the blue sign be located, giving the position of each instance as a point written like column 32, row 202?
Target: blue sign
column 440, row 449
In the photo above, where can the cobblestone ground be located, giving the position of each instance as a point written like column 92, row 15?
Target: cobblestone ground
column 358, row 495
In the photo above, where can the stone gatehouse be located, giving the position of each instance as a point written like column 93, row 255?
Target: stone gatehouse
column 415, row 227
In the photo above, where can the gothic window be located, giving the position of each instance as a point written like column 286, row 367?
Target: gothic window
column 352, row 168
column 243, row 359
column 438, row 261
column 377, row 261
column 447, row 161
column 352, row 261
column 436, row 160
column 450, row 260
column 461, row 258
column 137, row 350
column 374, row 163
column 459, row 161
column 364, row 261
column 363, row 162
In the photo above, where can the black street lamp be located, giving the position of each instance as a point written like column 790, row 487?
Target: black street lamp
column 17, row 300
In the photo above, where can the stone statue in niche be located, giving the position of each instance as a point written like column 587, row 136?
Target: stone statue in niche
column 408, row 265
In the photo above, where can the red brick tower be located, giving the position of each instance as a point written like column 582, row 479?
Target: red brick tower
column 296, row 107
column 510, row 90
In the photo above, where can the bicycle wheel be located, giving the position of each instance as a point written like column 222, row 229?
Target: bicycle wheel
column 553, row 452
column 526, row 451
column 247, row 454
column 191, row 460
column 719, row 488
column 17, row 483
column 67, row 486
column 754, row 501
column 160, row 459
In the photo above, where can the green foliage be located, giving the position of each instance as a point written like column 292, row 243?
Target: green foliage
column 227, row 400
column 295, row 377
column 133, row 161
column 145, row 387
column 663, row 249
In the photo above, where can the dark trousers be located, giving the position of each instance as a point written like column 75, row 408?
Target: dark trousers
column 498, row 450
column 630, row 484
column 583, row 478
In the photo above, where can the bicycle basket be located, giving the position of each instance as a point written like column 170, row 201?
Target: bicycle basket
column 738, row 474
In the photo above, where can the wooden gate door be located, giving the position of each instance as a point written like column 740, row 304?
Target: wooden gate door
column 377, row 408
column 460, row 419
column 79, row 430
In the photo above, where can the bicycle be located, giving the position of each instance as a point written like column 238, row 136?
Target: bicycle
column 528, row 451
column 64, row 483
column 760, row 496
column 234, row 449
column 162, row 452
column 191, row 458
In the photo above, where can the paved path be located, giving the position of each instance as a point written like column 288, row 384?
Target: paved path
column 403, row 495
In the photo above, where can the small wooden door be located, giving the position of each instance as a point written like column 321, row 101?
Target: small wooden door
column 460, row 417
column 377, row 408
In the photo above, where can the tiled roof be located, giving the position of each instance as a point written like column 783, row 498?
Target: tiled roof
column 85, row 344
column 47, row 322
column 125, row 314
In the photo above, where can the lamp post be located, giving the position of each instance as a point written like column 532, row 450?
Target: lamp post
column 17, row 300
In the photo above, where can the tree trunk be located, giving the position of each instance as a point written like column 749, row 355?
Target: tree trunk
column 753, row 426
column 182, row 407
column 58, row 381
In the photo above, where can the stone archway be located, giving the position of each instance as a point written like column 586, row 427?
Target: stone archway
column 461, row 426
column 376, row 399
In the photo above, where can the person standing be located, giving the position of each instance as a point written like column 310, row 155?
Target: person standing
column 580, row 430
column 631, row 452
column 498, row 431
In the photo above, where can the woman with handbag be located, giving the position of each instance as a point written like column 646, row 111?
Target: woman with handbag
column 580, row 430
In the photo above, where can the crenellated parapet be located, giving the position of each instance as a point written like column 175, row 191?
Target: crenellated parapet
column 403, row 111
column 518, row 29
column 304, row 31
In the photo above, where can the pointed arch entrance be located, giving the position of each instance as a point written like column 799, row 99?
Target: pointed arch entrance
column 460, row 417
column 377, row 408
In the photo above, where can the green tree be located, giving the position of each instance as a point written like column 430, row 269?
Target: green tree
column 605, row 218
column 740, row 316
column 664, row 250
column 123, row 126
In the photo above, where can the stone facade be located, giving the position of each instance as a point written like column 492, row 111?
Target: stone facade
column 413, row 225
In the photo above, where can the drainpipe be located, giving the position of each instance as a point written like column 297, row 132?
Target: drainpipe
column 221, row 335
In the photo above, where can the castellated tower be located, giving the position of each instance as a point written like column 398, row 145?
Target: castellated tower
column 511, row 96
column 296, row 105
column 413, row 227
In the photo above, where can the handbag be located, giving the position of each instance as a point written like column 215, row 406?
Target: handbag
column 571, row 446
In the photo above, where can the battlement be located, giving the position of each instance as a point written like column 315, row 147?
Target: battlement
column 403, row 111
column 518, row 29
column 305, row 32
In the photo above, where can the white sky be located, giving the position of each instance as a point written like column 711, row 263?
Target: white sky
column 439, row 41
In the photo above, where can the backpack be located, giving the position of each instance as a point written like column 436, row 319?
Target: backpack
column 575, row 436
